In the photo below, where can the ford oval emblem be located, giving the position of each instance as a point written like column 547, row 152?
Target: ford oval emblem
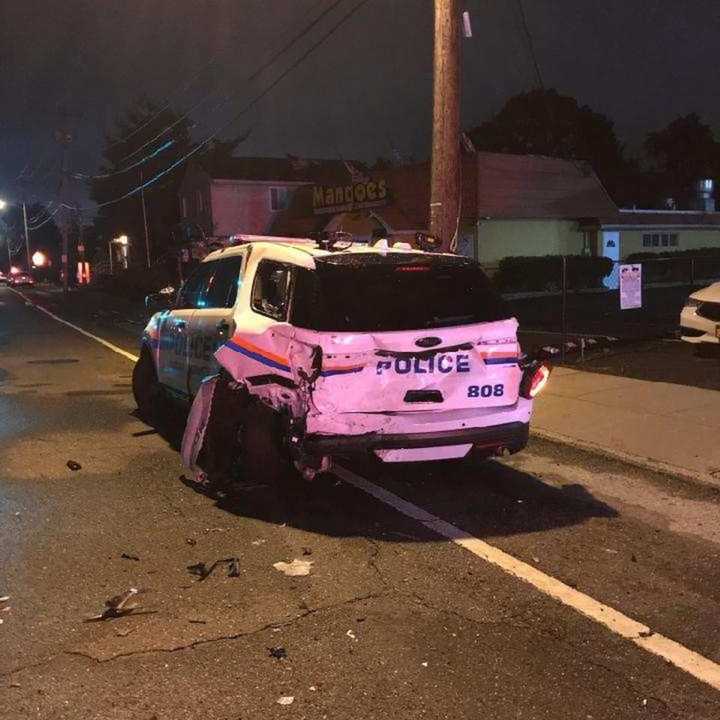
column 428, row 342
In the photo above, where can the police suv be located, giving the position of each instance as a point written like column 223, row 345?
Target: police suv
column 339, row 349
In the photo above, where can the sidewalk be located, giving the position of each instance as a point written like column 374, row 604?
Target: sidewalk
column 669, row 427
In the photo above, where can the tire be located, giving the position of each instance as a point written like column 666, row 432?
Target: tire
column 263, row 454
column 146, row 388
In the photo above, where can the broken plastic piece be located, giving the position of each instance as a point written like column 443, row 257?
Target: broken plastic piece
column 278, row 653
column 286, row 700
column 295, row 568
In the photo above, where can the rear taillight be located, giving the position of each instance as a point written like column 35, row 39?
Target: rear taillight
column 534, row 380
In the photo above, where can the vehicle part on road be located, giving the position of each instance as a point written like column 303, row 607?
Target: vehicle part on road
column 74, row 466
column 295, row 568
column 204, row 571
column 286, row 700
column 126, row 556
column 279, row 653
column 146, row 389
column 119, row 605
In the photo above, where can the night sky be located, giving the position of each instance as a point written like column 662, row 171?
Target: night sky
column 366, row 90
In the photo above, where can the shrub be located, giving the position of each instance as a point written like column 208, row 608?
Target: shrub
column 677, row 265
column 537, row 273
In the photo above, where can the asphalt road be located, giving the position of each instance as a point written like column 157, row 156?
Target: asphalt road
column 393, row 621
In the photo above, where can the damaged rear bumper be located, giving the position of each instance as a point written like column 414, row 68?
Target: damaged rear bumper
column 512, row 436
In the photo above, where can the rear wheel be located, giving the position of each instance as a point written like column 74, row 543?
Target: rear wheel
column 263, row 453
column 146, row 388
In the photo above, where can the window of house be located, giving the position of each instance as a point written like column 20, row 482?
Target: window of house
column 279, row 198
column 184, row 206
column 659, row 240
column 271, row 289
column 200, row 201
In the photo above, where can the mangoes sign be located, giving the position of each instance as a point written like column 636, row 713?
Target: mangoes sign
column 340, row 198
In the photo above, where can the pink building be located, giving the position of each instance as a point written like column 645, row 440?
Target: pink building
column 245, row 195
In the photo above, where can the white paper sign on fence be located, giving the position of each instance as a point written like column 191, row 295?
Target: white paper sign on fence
column 630, row 287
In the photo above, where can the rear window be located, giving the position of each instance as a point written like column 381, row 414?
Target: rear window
column 371, row 293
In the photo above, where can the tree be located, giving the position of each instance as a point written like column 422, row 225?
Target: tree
column 132, row 155
column 543, row 122
column 682, row 153
column 146, row 141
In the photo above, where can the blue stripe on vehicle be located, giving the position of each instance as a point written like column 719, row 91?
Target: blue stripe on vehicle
column 501, row 361
column 256, row 356
column 343, row 371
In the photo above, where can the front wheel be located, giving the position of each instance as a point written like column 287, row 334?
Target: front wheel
column 146, row 388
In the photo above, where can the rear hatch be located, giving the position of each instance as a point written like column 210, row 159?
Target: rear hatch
column 406, row 332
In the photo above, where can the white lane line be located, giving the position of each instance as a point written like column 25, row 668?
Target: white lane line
column 109, row 345
column 688, row 660
column 691, row 662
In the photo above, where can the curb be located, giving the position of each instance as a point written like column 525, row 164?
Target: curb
column 657, row 466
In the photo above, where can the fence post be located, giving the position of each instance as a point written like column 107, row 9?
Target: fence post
column 692, row 271
column 563, row 320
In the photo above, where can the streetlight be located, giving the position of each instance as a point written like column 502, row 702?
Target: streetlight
column 3, row 205
column 38, row 259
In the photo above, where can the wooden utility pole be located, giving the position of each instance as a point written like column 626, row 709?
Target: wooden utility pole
column 445, row 182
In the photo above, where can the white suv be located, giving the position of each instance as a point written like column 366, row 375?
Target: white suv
column 397, row 352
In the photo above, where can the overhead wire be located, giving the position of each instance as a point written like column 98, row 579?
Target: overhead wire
column 214, row 58
column 277, row 54
column 244, row 110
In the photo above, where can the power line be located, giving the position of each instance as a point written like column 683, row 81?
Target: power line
column 530, row 44
column 287, row 46
column 232, row 45
column 244, row 110
column 150, row 156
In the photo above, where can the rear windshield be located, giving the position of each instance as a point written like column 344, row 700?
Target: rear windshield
column 370, row 293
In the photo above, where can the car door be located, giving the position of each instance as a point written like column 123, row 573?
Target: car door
column 212, row 322
column 174, row 331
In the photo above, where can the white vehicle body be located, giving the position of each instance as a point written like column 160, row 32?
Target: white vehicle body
column 700, row 318
column 406, row 394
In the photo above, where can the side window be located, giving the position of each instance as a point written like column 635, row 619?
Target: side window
column 271, row 289
column 193, row 291
column 223, row 289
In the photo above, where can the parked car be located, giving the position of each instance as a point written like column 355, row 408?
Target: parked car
column 700, row 318
column 3, row 278
column 404, row 354
column 21, row 278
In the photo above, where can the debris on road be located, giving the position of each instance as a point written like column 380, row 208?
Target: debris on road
column 294, row 569
column 351, row 635
column 118, row 606
column 259, row 542
column 307, row 551
column 127, row 556
column 204, row 571
column 286, row 700
column 4, row 598
column 191, row 541
column 279, row 653
column 74, row 466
